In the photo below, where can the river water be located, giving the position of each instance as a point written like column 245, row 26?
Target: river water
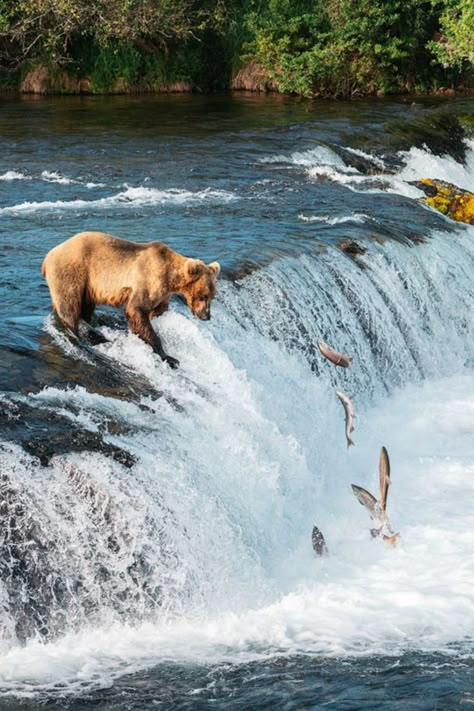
column 155, row 530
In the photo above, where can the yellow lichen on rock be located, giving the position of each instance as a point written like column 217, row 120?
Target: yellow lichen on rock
column 448, row 199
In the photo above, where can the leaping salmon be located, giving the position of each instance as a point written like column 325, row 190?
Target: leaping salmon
column 319, row 544
column 384, row 477
column 378, row 509
column 349, row 411
column 376, row 513
column 335, row 357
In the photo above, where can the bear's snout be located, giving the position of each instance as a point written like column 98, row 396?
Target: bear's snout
column 204, row 315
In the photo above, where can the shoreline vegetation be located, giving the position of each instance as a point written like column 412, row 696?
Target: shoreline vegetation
column 310, row 48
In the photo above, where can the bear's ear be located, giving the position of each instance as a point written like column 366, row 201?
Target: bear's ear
column 193, row 267
column 214, row 267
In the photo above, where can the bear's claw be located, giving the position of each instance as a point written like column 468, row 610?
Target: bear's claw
column 172, row 362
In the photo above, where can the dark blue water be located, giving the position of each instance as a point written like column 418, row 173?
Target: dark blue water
column 409, row 682
column 311, row 209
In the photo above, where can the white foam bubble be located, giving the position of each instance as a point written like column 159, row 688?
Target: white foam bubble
column 368, row 156
column 54, row 177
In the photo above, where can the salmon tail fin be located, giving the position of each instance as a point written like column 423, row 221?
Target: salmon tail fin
column 350, row 443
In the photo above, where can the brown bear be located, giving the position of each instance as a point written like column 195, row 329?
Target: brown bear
column 95, row 268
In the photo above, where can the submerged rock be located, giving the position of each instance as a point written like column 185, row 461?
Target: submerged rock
column 447, row 198
column 352, row 248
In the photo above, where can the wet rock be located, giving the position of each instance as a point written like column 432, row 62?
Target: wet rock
column 352, row 248
column 43, row 433
column 365, row 164
column 40, row 362
column 242, row 269
column 442, row 134
column 448, row 199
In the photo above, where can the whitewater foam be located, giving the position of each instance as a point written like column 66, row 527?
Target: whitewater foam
column 14, row 175
column 356, row 218
column 323, row 163
column 129, row 197
column 55, row 177
column 421, row 163
column 365, row 598
column 320, row 155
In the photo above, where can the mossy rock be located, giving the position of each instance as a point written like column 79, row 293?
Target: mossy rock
column 447, row 198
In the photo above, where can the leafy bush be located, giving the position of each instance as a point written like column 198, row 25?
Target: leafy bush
column 309, row 47
column 341, row 47
column 455, row 46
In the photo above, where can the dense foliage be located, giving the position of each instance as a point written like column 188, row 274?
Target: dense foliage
column 310, row 47
column 456, row 46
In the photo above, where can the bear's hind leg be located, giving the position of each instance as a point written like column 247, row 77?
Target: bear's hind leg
column 87, row 311
column 69, row 313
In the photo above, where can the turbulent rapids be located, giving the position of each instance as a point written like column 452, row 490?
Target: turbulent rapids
column 150, row 514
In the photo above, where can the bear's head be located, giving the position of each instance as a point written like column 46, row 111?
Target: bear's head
column 200, row 286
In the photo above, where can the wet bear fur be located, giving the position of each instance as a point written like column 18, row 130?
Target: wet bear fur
column 94, row 268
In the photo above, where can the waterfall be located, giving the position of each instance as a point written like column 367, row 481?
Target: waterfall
column 233, row 466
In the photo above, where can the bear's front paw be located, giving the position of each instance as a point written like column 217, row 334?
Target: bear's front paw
column 172, row 362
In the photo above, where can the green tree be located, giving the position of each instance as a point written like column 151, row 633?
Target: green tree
column 341, row 46
column 49, row 28
column 455, row 46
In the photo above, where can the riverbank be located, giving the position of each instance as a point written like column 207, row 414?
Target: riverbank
column 42, row 80
column 336, row 49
